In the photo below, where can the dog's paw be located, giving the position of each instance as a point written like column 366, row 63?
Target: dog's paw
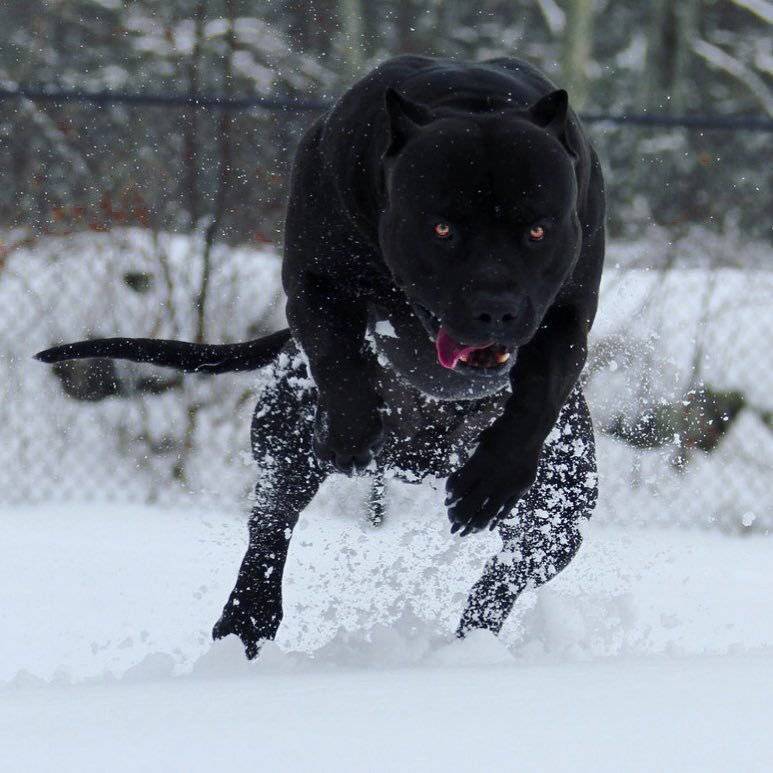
column 251, row 639
column 485, row 489
column 351, row 436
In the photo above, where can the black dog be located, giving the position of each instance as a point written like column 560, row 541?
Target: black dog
column 443, row 252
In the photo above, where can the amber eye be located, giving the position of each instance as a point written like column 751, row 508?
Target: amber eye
column 442, row 230
column 536, row 233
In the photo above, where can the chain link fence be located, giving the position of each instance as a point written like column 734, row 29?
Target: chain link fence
column 679, row 378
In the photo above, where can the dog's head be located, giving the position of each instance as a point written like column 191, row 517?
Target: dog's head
column 480, row 226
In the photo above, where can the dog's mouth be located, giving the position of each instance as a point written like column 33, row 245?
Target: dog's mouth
column 450, row 353
column 487, row 357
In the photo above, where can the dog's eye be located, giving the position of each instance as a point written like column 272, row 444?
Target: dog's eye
column 442, row 230
column 536, row 233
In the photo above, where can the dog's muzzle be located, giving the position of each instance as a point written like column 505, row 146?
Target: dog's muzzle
column 489, row 356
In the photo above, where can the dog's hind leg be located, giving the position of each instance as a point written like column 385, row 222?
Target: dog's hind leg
column 542, row 535
column 254, row 608
column 288, row 480
column 528, row 558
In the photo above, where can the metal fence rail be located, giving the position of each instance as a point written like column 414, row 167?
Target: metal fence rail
column 216, row 102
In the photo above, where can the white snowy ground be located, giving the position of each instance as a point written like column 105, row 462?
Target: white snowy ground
column 653, row 651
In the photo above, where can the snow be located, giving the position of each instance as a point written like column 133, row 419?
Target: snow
column 653, row 650
column 706, row 714
column 554, row 17
column 761, row 8
column 721, row 60
column 385, row 329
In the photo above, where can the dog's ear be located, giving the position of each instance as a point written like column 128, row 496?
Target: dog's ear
column 551, row 113
column 404, row 118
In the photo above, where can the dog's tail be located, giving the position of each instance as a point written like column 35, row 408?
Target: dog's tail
column 182, row 355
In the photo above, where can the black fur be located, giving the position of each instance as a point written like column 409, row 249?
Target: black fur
column 493, row 153
column 491, row 150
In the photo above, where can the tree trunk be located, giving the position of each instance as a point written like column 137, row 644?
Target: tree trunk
column 225, row 163
column 191, row 122
column 213, row 229
column 405, row 21
column 577, row 49
column 669, row 45
column 352, row 28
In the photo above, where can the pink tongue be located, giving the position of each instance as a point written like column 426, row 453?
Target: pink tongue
column 449, row 352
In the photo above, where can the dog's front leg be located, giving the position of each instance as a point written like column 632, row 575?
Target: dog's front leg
column 329, row 323
column 505, row 462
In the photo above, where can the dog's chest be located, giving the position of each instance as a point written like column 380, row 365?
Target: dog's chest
column 403, row 346
column 429, row 436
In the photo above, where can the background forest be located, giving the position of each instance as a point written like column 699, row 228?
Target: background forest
column 74, row 166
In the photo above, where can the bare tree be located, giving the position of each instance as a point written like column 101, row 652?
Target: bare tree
column 350, row 13
column 405, row 21
column 577, row 49
column 191, row 119
column 672, row 27
column 225, row 153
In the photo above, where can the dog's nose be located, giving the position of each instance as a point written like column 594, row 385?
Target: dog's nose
column 496, row 312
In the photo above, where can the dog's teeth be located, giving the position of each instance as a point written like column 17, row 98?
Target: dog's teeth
column 502, row 357
column 464, row 357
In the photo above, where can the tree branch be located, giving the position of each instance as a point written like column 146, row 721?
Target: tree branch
column 721, row 60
